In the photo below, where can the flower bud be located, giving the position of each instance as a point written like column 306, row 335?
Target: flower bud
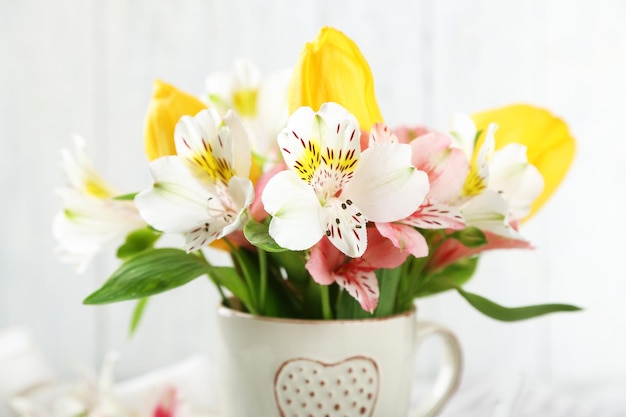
column 167, row 105
column 331, row 68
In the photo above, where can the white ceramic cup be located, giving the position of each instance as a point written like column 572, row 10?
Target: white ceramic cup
column 308, row 368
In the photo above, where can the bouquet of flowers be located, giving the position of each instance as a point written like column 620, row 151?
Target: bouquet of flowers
column 325, row 211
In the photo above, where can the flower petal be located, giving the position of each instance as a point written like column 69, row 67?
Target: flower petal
column 550, row 145
column 273, row 109
column 518, row 181
column 241, row 193
column 219, row 90
column 489, row 211
column 331, row 68
column 386, row 187
column 245, row 84
column 478, row 178
column 218, row 147
column 324, row 260
column 463, row 130
column 166, row 107
column 242, row 154
column 406, row 134
column 434, row 215
column 381, row 133
column 341, row 133
column 298, row 220
column 446, row 166
column 363, row 286
column 240, row 196
column 346, row 227
column 300, row 143
column 178, row 200
column 87, row 224
column 81, row 173
column 256, row 208
column 195, row 135
column 452, row 250
column 403, row 237
column 206, row 232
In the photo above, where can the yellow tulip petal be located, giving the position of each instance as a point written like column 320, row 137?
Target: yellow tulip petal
column 167, row 105
column 550, row 145
column 332, row 68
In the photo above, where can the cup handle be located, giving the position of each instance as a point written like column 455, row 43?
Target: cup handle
column 449, row 374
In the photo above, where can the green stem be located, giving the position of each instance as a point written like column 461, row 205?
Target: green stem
column 418, row 266
column 413, row 269
column 217, row 284
column 263, row 273
column 246, row 277
column 444, row 236
column 338, row 299
column 327, row 313
column 398, row 296
column 221, row 291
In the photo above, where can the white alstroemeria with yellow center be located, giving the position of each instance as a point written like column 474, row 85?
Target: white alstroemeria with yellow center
column 236, row 91
column 91, row 217
column 204, row 190
column 260, row 101
column 332, row 188
column 501, row 185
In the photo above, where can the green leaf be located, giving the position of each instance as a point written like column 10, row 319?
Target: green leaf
column 411, row 279
column 498, row 312
column 138, row 241
column 137, row 314
column 349, row 309
column 294, row 264
column 258, row 234
column 277, row 302
column 130, row 196
column 455, row 274
column 228, row 277
column 388, row 282
column 471, row 236
column 150, row 272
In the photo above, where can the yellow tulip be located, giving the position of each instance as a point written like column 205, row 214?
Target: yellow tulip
column 167, row 105
column 331, row 68
column 550, row 146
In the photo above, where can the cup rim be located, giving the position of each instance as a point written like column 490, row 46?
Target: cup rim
column 228, row 312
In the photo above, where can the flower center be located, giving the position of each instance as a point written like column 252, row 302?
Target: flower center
column 474, row 184
column 244, row 101
column 218, row 169
column 222, row 206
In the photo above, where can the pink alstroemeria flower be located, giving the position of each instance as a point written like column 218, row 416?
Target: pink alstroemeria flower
column 356, row 275
column 446, row 168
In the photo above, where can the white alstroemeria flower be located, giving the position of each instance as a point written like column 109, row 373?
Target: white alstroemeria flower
column 204, row 190
column 91, row 217
column 515, row 178
column 236, row 91
column 333, row 189
column 504, row 175
column 259, row 101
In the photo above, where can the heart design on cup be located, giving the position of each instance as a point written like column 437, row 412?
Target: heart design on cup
column 310, row 388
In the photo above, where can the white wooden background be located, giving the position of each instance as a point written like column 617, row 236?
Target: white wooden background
column 86, row 66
